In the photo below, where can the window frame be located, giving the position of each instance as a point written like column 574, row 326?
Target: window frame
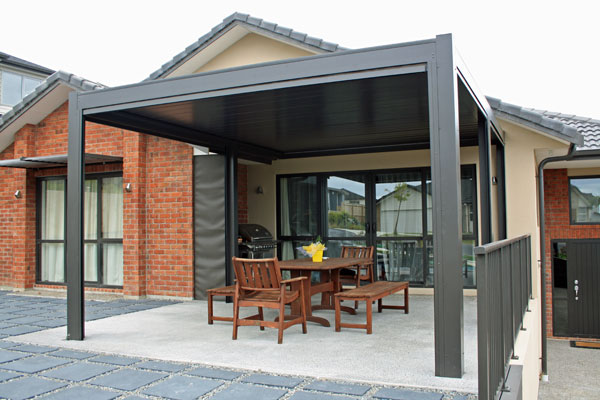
column 571, row 216
column 99, row 241
column 22, row 78
column 425, row 237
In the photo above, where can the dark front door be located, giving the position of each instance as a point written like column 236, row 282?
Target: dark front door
column 583, row 284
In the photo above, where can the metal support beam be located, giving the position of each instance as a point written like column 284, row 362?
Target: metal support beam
column 447, row 222
column 231, row 212
column 74, row 243
column 485, row 178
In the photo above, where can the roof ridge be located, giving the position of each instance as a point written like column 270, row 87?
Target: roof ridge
column 569, row 116
column 247, row 19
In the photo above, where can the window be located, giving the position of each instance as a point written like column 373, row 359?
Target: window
column 391, row 210
column 16, row 86
column 103, row 230
column 584, row 198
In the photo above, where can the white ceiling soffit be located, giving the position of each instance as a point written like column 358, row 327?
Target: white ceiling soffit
column 35, row 113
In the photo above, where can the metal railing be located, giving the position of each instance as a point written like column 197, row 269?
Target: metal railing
column 503, row 293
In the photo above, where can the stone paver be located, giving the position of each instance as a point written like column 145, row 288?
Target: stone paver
column 273, row 380
column 215, row 373
column 79, row 371
column 31, row 348
column 78, row 355
column 44, row 372
column 34, row 364
column 404, row 394
column 7, row 355
column 241, row 391
column 127, row 379
column 340, row 388
column 161, row 366
column 317, row 396
column 183, row 388
column 116, row 360
column 4, row 376
column 83, row 393
column 27, row 387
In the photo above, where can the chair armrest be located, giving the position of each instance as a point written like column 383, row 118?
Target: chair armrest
column 296, row 279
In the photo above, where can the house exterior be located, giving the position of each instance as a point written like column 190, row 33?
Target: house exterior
column 148, row 198
column 18, row 78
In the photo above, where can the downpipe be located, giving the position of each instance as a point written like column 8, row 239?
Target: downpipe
column 569, row 156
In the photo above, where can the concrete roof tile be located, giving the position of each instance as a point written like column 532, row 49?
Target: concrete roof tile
column 256, row 23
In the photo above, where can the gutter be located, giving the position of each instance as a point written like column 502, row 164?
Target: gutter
column 571, row 155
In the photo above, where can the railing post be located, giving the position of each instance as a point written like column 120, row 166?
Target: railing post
column 483, row 340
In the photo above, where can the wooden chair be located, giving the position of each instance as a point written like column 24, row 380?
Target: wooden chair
column 259, row 285
column 363, row 272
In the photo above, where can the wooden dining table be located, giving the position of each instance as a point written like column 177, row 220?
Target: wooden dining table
column 329, row 271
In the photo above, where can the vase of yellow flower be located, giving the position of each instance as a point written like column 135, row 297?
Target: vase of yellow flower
column 314, row 250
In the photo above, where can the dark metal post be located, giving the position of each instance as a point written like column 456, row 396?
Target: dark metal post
column 231, row 212
column 74, row 243
column 447, row 222
column 485, row 178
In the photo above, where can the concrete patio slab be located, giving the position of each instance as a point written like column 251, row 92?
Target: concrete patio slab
column 399, row 352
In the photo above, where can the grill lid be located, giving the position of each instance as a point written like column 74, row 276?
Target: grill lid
column 254, row 233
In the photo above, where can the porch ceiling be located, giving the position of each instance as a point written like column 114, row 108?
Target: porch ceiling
column 362, row 114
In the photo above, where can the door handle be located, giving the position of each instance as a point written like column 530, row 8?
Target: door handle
column 367, row 227
column 576, row 288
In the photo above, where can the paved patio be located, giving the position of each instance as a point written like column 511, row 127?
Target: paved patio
column 168, row 351
column 178, row 335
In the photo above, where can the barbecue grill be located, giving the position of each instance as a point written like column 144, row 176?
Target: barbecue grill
column 257, row 241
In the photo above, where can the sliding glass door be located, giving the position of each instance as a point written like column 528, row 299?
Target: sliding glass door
column 391, row 210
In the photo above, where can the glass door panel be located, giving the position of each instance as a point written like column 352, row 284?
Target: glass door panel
column 346, row 207
column 400, row 260
column 399, row 204
column 299, row 206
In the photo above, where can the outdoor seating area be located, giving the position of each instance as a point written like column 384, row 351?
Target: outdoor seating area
column 259, row 284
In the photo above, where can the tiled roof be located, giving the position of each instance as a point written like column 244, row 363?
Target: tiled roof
column 537, row 120
column 589, row 128
column 254, row 23
column 58, row 77
column 19, row 62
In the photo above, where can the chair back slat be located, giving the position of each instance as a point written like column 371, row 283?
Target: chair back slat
column 357, row 251
column 257, row 273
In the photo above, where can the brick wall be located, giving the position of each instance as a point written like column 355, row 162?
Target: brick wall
column 558, row 226
column 7, row 201
column 157, row 212
column 169, row 218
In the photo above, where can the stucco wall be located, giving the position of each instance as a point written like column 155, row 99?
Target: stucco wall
column 253, row 49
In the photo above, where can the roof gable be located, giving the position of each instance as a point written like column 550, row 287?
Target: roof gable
column 37, row 105
column 232, row 29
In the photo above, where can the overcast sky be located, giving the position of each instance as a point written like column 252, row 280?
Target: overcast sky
column 541, row 54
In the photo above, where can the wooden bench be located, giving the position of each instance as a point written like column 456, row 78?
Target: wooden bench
column 370, row 293
column 220, row 291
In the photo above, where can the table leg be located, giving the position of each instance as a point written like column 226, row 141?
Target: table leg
column 307, row 298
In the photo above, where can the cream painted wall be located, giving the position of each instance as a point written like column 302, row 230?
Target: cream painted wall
column 521, row 186
column 253, row 49
column 262, row 208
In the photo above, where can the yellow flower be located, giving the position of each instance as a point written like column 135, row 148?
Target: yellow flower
column 312, row 248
